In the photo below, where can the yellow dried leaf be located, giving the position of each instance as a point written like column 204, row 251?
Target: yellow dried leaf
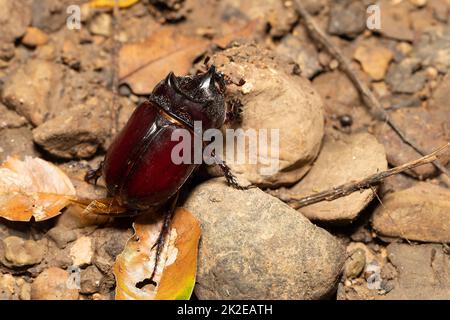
column 33, row 188
column 175, row 274
column 111, row 3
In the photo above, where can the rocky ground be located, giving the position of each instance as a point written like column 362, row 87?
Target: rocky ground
column 389, row 242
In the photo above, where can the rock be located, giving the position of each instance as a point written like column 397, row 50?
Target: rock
column 51, row 284
column 25, row 291
column 441, row 95
column 77, row 132
column 347, row 18
column 54, row 257
column 432, row 49
column 341, row 160
column 7, row 52
column 374, row 281
column 61, row 236
column 412, row 122
column 10, row 119
column 395, row 183
column 13, row 288
column 420, row 213
column 403, row 78
column 424, row 272
column 355, row 264
column 314, row 6
column 335, row 87
column 16, row 142
column 422, row 21
column 370, row 256
column 418, row 3
column 50, row 15
column 301, row 50
column 90, row 280
column 34, row 37
column 395, row 21
column 341, row 98
column 29, row 88
column 251, row 249
column 101, row 25
column 273, row 98
column 19, row 252
column 7, row 287
column 374, row 59
column 109, row 242
column 441, row 10
column 82, row 252
column 271, row 12
column 15, row 16
column 40, row 89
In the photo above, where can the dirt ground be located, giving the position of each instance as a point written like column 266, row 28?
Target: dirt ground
column 67, row 87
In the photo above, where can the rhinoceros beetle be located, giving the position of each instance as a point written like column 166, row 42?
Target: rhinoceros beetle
column 137, row 168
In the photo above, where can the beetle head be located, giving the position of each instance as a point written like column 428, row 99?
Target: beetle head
column 194, row 98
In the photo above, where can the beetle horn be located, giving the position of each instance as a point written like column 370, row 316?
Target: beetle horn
column 171, row 80
column 208, row 78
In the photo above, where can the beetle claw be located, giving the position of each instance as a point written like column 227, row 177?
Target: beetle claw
column 94, row 174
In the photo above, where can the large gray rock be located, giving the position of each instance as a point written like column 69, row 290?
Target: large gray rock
column 256, row 247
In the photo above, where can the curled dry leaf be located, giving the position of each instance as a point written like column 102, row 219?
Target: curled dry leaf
column 33, row 188
column 175, row 274
column 111, row 3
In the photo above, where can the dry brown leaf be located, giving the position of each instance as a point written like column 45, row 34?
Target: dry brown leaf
column 33, row 188
column 143, row 65
column 245, row 32
column 176, row 271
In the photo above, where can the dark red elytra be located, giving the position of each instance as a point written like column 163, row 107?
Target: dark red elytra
column 138, row 169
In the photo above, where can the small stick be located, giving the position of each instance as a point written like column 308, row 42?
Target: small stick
column 370, row 100
column 350, row 187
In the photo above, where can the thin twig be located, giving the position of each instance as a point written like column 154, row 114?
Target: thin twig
column 350, row 187
column 370, row 100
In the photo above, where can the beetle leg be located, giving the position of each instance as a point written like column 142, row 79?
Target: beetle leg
column 231, row 178
column 234, row 111
column 94, row 174
column 159, row 244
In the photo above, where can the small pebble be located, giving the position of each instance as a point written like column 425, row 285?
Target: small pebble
column 34, row 37
column 51, row 284
column 345, row 120
column 81, row 252
column 20, row 252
